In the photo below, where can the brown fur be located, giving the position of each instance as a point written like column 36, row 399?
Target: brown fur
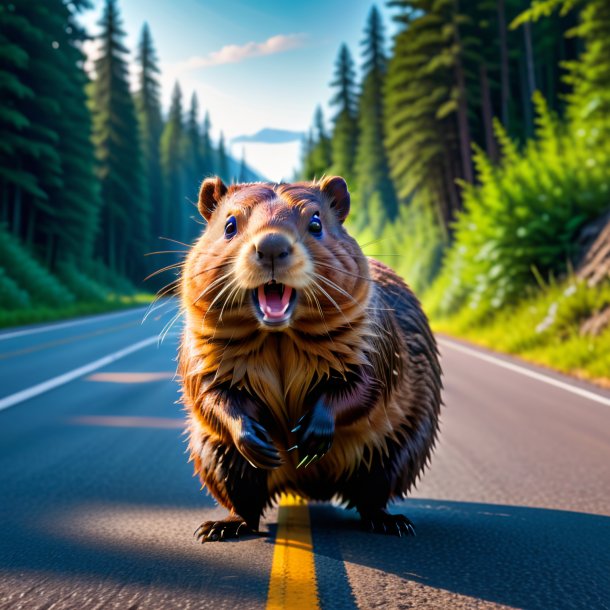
column 357, row 340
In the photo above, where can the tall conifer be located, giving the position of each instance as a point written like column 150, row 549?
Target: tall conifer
column 372, row 172
column 345, row 130
column 148, row 104
column 124, row 218
column 173, row 144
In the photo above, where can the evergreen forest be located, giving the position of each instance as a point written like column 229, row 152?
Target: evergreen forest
column 476, row 145
column 93, row 176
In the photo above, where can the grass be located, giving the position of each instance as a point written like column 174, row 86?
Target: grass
column 33, row 315
column 544, row 327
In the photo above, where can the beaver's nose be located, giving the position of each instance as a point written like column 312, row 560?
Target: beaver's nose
column 273, row 246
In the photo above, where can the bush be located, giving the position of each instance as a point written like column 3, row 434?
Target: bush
column 30, row 275
column 105, row 277
column 521, row 221
column 81, row 285
column 11, row 296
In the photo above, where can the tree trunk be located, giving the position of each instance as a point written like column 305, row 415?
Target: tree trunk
column 452, row 196
column 464, row 128
column 111, row 245
column 529, row 57
column 504, row 65
column 490, row 141
column 29, row 237
column 17, row 211
column 4, row 217
column 526, row 100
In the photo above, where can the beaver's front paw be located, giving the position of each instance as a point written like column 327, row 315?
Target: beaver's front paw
column 315, row 431
column 255, row 444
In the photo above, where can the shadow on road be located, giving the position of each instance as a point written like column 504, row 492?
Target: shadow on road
column 523, row 557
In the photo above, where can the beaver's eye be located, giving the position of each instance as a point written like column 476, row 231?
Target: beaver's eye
column 230, row 227
column 315, row 225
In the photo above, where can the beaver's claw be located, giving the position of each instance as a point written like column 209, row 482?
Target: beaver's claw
column 383, row 522
column 315, row 431
column 224, row 529
column 255, row 444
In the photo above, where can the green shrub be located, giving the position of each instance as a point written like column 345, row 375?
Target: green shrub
column 11, row 296
column 30, row 275
column 85, row 288
column 105, row 277
column 523, row 217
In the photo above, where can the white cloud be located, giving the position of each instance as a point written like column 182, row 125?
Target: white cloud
column 232, row 53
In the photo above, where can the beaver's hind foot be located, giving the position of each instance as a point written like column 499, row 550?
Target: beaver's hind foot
column 383, row 522
column 231, row 527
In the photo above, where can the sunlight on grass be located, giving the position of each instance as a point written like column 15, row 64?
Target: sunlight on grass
column 545, row 328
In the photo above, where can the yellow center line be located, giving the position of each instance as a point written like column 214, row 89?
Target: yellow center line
column 293, row 573
column 49, row 344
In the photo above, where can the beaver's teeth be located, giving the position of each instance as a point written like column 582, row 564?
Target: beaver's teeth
column 286, row 294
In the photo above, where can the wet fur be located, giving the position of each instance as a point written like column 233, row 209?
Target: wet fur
column 359, row 343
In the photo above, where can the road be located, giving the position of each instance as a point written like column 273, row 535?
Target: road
column 98, row 504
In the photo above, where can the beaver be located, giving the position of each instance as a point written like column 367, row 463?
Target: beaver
column 305, row 367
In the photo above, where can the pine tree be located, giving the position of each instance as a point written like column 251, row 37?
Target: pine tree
column 222, row 160
column 345, row 131
column 30, row 163
column 372, row 172
column 78, row 200
column 173, row 143
column 194, row 156
column 48, row 193
column 207, row 150
column 148, row 104
column 321, row 152
column 421, row 104
column 124, row 218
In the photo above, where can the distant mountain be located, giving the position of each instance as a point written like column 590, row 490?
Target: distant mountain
column 268, row 135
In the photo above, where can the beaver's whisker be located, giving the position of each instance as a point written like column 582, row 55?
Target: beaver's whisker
column 174, row 266
column 212, row 285
column 211, row 305
column 175, row 241
column 160, row 294
column 168, row 326
column 232, row 285
column 323, row 316
column 373, row 241
column 336, row 287
column 208, row 269
column 362, row 277
column 332, row 301
column 229, row 296
column 167, row 252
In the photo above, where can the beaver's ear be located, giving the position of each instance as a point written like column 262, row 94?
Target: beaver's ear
column 211, row 192
column 335, row 188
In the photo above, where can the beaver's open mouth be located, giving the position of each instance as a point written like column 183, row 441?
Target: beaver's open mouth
column 274, row 302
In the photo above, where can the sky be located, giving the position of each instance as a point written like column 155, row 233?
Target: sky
column 252, row 63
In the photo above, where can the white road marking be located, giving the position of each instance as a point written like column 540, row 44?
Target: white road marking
column 527, row 372
column 58, row 325
column 45, row 386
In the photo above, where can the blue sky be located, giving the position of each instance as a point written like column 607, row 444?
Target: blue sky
column 253, row 64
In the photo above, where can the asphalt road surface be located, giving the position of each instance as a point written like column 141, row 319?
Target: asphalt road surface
column 98, row 504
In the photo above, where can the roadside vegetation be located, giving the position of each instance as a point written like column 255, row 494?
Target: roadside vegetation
column 495, row 120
